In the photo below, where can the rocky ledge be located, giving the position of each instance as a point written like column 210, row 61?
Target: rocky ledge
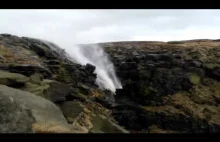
column 168, row 87
column 42, row 91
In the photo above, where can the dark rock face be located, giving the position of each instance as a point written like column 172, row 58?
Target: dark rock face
column 90, row 68
column 51, row 83
column 160, row 87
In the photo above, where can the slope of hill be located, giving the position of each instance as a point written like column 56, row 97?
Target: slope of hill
column 168, row 87
column 41, row 90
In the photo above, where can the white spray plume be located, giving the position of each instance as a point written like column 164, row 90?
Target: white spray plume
column 95, row 55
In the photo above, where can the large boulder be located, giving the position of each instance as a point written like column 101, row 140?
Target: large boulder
column 14, row 118
column 52, row 90
column 25, row 112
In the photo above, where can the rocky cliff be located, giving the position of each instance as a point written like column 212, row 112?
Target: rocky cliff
column 54, row 95
column 168, row 87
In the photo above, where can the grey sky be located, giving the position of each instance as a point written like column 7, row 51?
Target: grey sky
column 67, row 27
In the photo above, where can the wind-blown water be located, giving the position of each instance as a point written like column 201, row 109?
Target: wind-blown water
column 95, row 55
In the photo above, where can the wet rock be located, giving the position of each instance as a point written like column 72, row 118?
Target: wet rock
column 106, row 98
column 90, row 68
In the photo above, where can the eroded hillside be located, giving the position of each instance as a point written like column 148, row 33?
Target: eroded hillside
column 168, row 87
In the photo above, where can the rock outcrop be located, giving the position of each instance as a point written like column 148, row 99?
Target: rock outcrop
column 169, row 87
column 40, row 82
column 26, row 112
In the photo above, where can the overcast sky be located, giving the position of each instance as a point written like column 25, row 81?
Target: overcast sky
column 66, row 27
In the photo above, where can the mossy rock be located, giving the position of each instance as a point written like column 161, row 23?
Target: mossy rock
column 49, row 89
column 149, row 91
column 71, row 110
column 36, row 89
column 194, row 78
column 64, row 75
column 46, row 114
column 12, row 79
column 102, row 125
column 36, row 78
column 203, row 95
column 211, row 65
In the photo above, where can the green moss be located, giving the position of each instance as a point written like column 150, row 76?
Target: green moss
column 64, row 75
column 149, row 91
column 102, row 124
column 81, row 96
column 36, row 78
column 36, row 89
column 211, row 65
column 8, row 78
column 194, row 78
column 46, row 81
column 188, row 58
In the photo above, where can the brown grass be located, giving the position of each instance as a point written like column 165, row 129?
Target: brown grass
column 50, row 128
column 15, row 57
column 96, row 93
column 5, row 52
column 172, row 44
